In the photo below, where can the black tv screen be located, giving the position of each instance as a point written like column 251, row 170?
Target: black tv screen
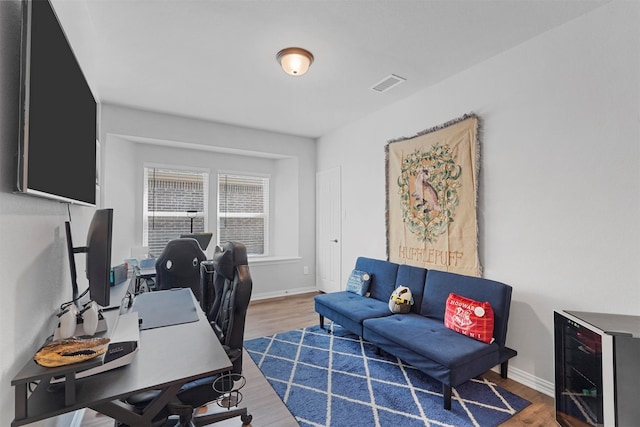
column 57, row 147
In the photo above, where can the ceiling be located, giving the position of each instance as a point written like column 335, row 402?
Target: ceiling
column 215, row 59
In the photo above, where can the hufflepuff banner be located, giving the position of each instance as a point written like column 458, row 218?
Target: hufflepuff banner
column 432, row 188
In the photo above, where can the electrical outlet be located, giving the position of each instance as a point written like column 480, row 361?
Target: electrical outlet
column 305, row 270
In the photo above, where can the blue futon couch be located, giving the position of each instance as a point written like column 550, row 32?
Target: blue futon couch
column 420, row 337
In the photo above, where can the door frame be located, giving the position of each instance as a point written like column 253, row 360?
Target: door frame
column 329, row 230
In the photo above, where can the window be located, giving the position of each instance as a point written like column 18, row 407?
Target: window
column 169, row 193
column 243, row 211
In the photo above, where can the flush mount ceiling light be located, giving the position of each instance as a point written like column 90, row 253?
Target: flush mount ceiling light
column 295, row 60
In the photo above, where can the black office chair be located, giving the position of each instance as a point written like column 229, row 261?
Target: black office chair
column 232, row 285
column 179, row 266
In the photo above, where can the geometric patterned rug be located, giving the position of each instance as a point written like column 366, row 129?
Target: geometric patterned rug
column 337, row 380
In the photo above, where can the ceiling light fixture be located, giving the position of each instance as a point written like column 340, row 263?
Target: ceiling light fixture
column 295, row 61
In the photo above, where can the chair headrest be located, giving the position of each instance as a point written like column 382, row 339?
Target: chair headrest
column 227, row 257
column 183, row 244
column 181, row 253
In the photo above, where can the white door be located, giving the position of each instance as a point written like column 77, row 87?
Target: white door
column 328, row 226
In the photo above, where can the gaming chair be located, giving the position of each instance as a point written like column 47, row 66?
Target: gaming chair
column 232, row 291
column 232, row 286
column 179, row 266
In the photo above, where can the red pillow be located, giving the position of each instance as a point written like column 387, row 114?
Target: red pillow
column 469, row 317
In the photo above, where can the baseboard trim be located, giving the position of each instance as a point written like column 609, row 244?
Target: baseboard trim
column 531, row 381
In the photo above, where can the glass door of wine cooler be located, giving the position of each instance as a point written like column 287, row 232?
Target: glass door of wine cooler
column 578, row 354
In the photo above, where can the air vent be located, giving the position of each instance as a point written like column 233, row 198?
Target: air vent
column 387, row 83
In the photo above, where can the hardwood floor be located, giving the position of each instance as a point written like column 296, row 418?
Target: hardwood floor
column 271, row 316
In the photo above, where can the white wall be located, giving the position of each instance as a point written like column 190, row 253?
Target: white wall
column 34, row 272
column 130, row 139
column 559, row 197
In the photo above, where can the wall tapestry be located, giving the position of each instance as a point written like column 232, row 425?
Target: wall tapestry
column 432, row 188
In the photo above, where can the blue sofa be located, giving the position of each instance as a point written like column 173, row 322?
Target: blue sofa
column 420, row 337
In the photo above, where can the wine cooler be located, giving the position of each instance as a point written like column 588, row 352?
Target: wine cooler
column 597, row 369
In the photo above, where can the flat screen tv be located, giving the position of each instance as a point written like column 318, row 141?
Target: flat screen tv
column 58, row 113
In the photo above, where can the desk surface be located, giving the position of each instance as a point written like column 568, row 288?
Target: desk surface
column 167, row 356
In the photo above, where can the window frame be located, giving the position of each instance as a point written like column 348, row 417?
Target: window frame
column 146, row 213
column 265, row 215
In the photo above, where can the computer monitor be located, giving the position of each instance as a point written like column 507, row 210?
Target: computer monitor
column 98, row 262
column 202, row 238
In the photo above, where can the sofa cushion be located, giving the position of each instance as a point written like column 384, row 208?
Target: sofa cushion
column 383, row 277
column 349, row 310
column 429, row 338
column 358, row 282
column 469, row 317
column 413, row 278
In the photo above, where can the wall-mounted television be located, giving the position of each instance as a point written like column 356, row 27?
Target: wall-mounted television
column 58, row 113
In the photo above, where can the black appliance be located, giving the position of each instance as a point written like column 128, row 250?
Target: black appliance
column 597, row 369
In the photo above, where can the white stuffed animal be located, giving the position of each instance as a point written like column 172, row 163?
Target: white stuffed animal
column 401, row 300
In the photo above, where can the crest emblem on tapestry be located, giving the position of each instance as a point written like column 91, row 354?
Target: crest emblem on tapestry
column 428, row 186
column 431, row 198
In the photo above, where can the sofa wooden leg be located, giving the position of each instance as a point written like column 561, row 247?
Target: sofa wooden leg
column 503, row 369
column 378, row 351
column 321, row 321
column 446, row 395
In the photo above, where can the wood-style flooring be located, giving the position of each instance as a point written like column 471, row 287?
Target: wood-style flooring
column 267, row 317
